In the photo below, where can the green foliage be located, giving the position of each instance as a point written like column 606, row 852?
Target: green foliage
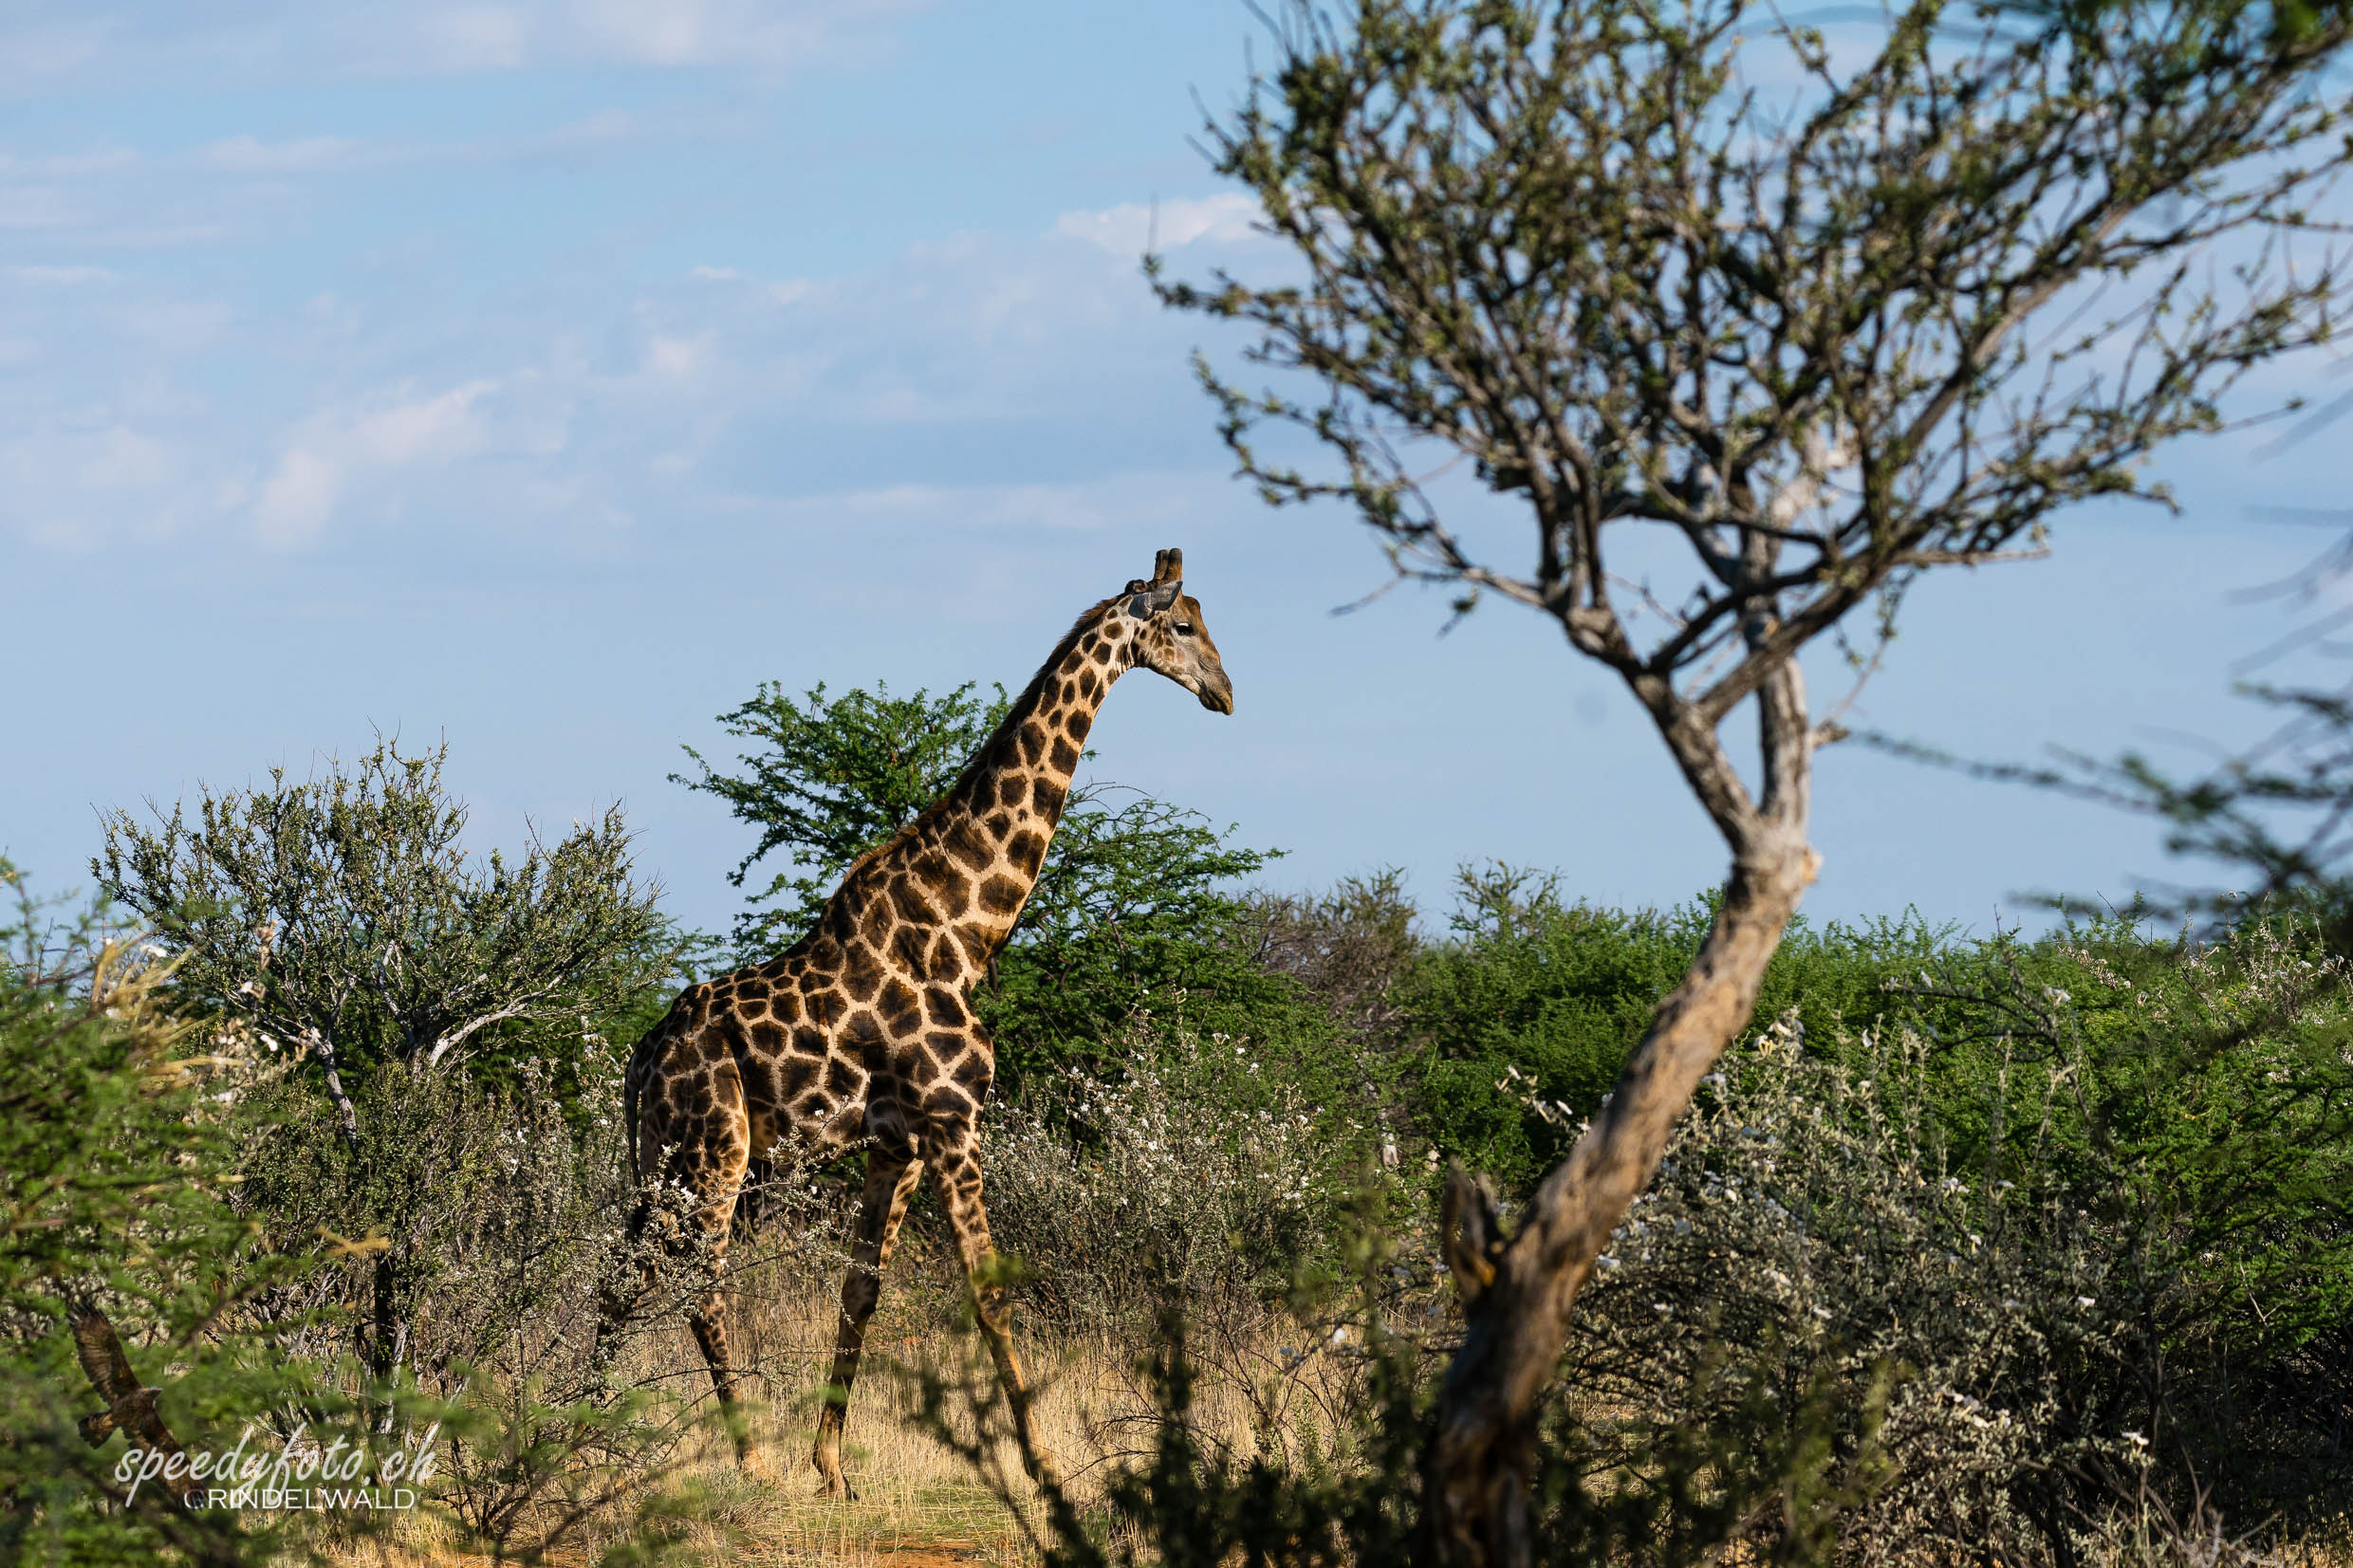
column 343, row 917
column 1537, row 1002
column 1131, row 905
column 2064, row 1281
column 339, row 927
column 114, row 1171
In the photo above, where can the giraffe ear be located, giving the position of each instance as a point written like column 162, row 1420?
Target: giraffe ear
column 1151, row 601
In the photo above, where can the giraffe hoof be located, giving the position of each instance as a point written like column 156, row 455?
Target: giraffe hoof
column 831, row 1483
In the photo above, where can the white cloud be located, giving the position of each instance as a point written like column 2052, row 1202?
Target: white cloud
column 299, row 41
column 40, row 52
column 58, row 275
column 1124, row 501
column 36, row 207
column 677, row 359
column 246, row 155
column 83, row 476
column 124, row 458
column 430, row 429
column 721, row 392
column 476, row 38
column 1132, row 228
column 300, row 497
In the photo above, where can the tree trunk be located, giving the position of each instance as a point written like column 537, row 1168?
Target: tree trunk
column 1517, row 1294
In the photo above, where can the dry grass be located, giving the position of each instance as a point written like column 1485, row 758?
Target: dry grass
column 919, row 1504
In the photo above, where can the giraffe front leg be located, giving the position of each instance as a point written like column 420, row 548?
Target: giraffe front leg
column 891, row 1181
column 707, row 1318
column 959, row 1186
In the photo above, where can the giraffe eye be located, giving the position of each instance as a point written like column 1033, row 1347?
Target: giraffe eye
column 1184, row 628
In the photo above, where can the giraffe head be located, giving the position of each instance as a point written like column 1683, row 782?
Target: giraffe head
column 1169, row 635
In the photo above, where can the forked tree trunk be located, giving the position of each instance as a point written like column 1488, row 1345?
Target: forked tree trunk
column 1517, row 1292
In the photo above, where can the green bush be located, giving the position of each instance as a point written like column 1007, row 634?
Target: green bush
column 1560, row 993
column 115, row 1239
column 1192, row 1183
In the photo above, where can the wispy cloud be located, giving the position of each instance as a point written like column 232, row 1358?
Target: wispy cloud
column 297, row 40
column 1132, row 228
column 329, row 449
column 565, row 411
column 56, row 276
column 245, row 154
column 1121, row 501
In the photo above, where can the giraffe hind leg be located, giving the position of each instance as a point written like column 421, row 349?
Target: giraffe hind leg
column 615, row 1301
column 891, row 1181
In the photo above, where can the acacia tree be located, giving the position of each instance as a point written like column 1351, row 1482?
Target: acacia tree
column 1972, row 268
column 341, row 922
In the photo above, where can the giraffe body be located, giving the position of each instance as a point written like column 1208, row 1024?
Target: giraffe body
column 864, row 1030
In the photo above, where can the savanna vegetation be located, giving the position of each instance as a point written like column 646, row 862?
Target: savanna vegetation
column 1496, row 1229
column 1975, row 1248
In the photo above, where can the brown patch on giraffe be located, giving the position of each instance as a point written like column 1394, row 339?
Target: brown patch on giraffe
column 945, row 963
column 966, row 845
column 899, row 1008
column 912, row 904
column 1001, row 895
column 1026, row 851
column 861, row 975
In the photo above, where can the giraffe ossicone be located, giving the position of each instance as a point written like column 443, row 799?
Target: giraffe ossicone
column 864, row 1029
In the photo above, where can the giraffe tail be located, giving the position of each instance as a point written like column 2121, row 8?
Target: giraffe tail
column 629, row 1119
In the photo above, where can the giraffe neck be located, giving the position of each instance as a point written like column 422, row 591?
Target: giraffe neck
column 1013, row 793
column 976, row 854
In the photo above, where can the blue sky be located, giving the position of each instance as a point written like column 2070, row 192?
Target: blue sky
column 545, row 376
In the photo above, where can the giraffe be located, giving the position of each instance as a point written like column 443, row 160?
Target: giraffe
column 864, row 1028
